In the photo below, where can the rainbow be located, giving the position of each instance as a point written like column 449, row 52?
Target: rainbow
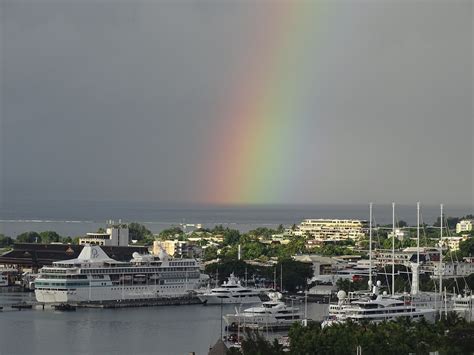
column 250, row 160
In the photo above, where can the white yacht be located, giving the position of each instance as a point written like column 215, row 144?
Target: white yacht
column 231, row 291
column 94, row 277
column 273, row 313
column 463, row 305
column 376, row 307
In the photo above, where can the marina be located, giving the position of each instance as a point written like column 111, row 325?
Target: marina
column 171, row 329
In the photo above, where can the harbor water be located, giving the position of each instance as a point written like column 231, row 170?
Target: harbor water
column 164, row 330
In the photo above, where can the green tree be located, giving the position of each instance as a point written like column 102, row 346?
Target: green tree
column 50, row 237
column 231, row 237
column 466, row 247
column 255, row 344
column 297, row 245
column 281, row 228
column 295, row 274
column 138, row 232
column 253, row 250
column 210, row 253
column 5, row 241
column 29, row 237
column 452, row 221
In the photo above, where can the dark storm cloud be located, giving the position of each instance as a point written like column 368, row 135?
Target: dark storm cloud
column 115, row 100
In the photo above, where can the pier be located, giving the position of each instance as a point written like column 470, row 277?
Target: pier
column 150, row 302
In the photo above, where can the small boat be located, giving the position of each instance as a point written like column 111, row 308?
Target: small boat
column 463, row 305
column 66, row 307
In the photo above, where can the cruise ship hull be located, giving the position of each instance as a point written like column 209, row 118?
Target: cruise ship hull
column 109, row 293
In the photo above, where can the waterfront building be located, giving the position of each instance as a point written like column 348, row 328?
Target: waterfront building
column 171, row 247
column 407, row 256
column 33, row 255
column 453, row 269
column 464, row 226
column 332, row 229
column 321, row 265
column 177, row 248
column 115, row 235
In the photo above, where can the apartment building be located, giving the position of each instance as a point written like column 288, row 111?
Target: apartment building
column 332, row 229
column 452, row 243
column 464, row 226
column 115, row 235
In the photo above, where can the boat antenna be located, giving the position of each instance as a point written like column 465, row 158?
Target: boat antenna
column 393, row 248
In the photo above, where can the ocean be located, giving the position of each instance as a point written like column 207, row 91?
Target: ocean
column 77, row 218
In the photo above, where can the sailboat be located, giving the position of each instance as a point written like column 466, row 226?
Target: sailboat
column 375, row 306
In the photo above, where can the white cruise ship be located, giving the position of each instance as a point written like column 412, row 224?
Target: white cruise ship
column 94, row 277
column 230, row 292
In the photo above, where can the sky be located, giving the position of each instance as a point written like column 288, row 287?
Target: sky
column 236, row 102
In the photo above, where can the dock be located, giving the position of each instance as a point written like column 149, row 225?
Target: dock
column 145, row 302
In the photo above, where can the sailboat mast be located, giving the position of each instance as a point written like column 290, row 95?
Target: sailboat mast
column 418, row 233
column 370, row 245
column 441, row 259
column 274, row 278
column 281, row 277
column 393, row 248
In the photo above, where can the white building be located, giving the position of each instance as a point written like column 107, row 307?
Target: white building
column 454, row 269
column 464, row 226
column 332, row 229
column 400, row 234
column 116, row 235
column 452, row 243
column 428, row 256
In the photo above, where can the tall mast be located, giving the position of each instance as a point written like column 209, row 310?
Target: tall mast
column 370, row 245
column 441, row 260
column 274, row 278
column 393, row 248
column 415, row 284
column 418, row 232
column 281, row 277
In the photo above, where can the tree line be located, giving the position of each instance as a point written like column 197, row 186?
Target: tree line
column 450, row 335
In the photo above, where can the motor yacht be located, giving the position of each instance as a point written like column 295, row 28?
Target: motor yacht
column 230, row 292
column 273, row 313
